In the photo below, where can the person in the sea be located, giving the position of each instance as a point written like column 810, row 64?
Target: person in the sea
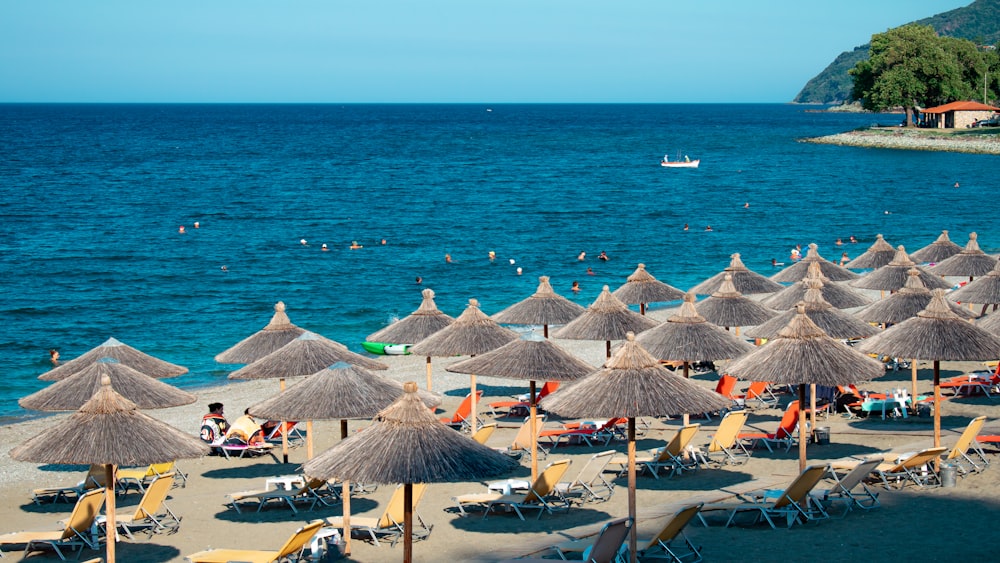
column 853, row 239
column 708, row 227
column 685, row 226
column 576, row 286
column 582, row 256
column 54, row 356
column 603, row 256
column 214, row 424
column 420, row 280
column 590, row 271
column 796, row 254
column 774, row 262
column 844, row 259
column 447, row 258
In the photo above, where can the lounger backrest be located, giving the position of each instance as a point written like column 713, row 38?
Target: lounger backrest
column 159, row 469
column 522, row 441
column 464, row 409
column 82, row 518
column 547, row 389
column 394, row 513
column 801, row 486
column 155, row 495
column 675, row 525
column 593, row 469
column 757, row 389
column 858, row 474
column 676, row 446
column 789, row 420
column 965, row 440
column 299, row 539
column 547, row 480
column 283, row 428
column 729, row 430
column 923, row 457
column 609, row 541
column 484, row 433
column 95, row 477
column 726, row 385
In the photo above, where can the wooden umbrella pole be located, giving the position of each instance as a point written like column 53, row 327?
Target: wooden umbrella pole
column 408, row 523
column 632, row 536
column 642, row 309
column 937, row 403
column 608, row 349
column 533, row 412
column 802, row 428
column 812, row 409
column 284, row 434
column 686, row 418
column 110, row 527
column 428, row 373
column 345, row 494
column 545, row 331
column 913, row 375
column 309, row 439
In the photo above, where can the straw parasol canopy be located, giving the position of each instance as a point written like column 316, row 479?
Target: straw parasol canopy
column 936, row 251
column 834, row 322
column 745, row 280
column 906, row 303
column 839, row 295
column 305, row 355
column 607, row 318
column 109, row 430
column 631, row 384
column 990, row 323
column 125, row 354
column 420, row 324
column 277, row 333
column 935, row 334
column 800, row 269
column 893, row 275
column 878, row 254
column 641, row 288
column 984, row 291
column 802, row 353
column 71, row 393
column 727, row 307
column 407, row 444
column 472, row 333
column 529, row 357
column 545, row 307
column 971, row 261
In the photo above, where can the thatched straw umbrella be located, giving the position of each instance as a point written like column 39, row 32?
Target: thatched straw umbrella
column 641, row 288
column 607, row 318
column 545, row 307
column 420, row 324
column 802, row 353
column 631, row 384
column 971, row 261
column 109, row 430
column 277, row 333
column 728, row 308
column 936, row 334
column 839, row 295
column 125, row 354
column 433, row 454
column 798, row 270
column 936, row 251
column 341, row 391
column 687, row 337
column 904, row 304
column 834, row 322
column 531, row 358
column 893, row 275
column 305, row 355
column 878, row 254
column 71, row 393
column 990, row 323
column 745, row 280
column 472, row 333
column 984, row 291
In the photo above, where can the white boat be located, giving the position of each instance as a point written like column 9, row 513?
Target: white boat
column 686, row 163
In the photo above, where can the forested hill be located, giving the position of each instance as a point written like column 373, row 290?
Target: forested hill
column 979, row 22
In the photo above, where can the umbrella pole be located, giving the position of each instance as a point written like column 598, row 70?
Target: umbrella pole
column 608, row 349
column 632, row 536
column 428, row 373
column 533, row 412
column 642, row 309
column 309, row 439
column 687, row 418
column 802, row 428
column 937, row 403
column 545, row 331
column 812, row 410
column 345, row 494
column 110, row 527
column 913, row 375
column 408, row 523
column 284, row 434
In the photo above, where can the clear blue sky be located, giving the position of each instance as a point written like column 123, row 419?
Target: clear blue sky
column 431, row 51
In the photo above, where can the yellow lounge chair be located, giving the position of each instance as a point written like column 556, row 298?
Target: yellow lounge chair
column 94, row 479
column 291, row 551
column 794, row 503
column 142, row 476
column 152, row 512
column 522, row 440
column 484, row 433
column 725, row 442
column 671, row 456
column 606, row 547
column 655, row 547
column 75, row 533
column 959, row 453
column 590, row 484
column 542, row 494
column 311, row 492
column 390, row 523
column 844, row 487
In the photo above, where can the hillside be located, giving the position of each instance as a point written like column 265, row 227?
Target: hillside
column 979, row 22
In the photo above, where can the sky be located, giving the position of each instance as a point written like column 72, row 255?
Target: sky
column 441, row 51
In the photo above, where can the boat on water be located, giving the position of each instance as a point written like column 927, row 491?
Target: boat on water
column 386, row 348
column 685, row 163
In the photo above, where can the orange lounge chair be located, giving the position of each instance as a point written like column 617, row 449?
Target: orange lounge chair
column 759, row 391
column 783, row 435
column 579, row 431
column 521, row 406
column 463, row 413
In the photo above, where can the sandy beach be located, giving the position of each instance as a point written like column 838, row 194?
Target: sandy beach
column 926, row 524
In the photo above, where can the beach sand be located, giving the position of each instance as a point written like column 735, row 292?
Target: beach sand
column 942, row 523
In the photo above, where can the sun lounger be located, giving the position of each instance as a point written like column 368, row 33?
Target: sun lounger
column 589, row 484
column 291, row 551
column 759, row 393
column 462, row 414
column 522, row 440
column 606, row 547
column 784, row 435
column 143, row 476
column 845, row 487
column 75, row 532
column 725, row 442
column 587, row 431
column 484, row 433
column 293, row 434
column 94, row 479
column 244, row 450
column 521, row 405
column 152, row 513
column 793, row 504
column 309, row 492
column 542, row 494
column 674, row 456
column 967, row 442
column 896, row 470
column 390, row 524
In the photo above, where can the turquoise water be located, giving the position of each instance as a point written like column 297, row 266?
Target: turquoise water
column 93, row 195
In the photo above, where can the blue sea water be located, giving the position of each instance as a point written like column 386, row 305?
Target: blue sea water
column 93, row 195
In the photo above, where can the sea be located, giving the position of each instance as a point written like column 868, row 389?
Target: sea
column 93, row 198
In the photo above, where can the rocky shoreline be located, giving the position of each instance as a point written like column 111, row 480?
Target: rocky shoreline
column 921, row 140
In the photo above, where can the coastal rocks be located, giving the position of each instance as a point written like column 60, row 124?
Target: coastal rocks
column 921, row 140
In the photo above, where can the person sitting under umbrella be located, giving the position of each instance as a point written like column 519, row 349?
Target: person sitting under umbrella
column 245, row 431
column 213, row 424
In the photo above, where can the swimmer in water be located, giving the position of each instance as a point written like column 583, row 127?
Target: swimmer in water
column 54, row 356
column 576, row 287
column 180, row 229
